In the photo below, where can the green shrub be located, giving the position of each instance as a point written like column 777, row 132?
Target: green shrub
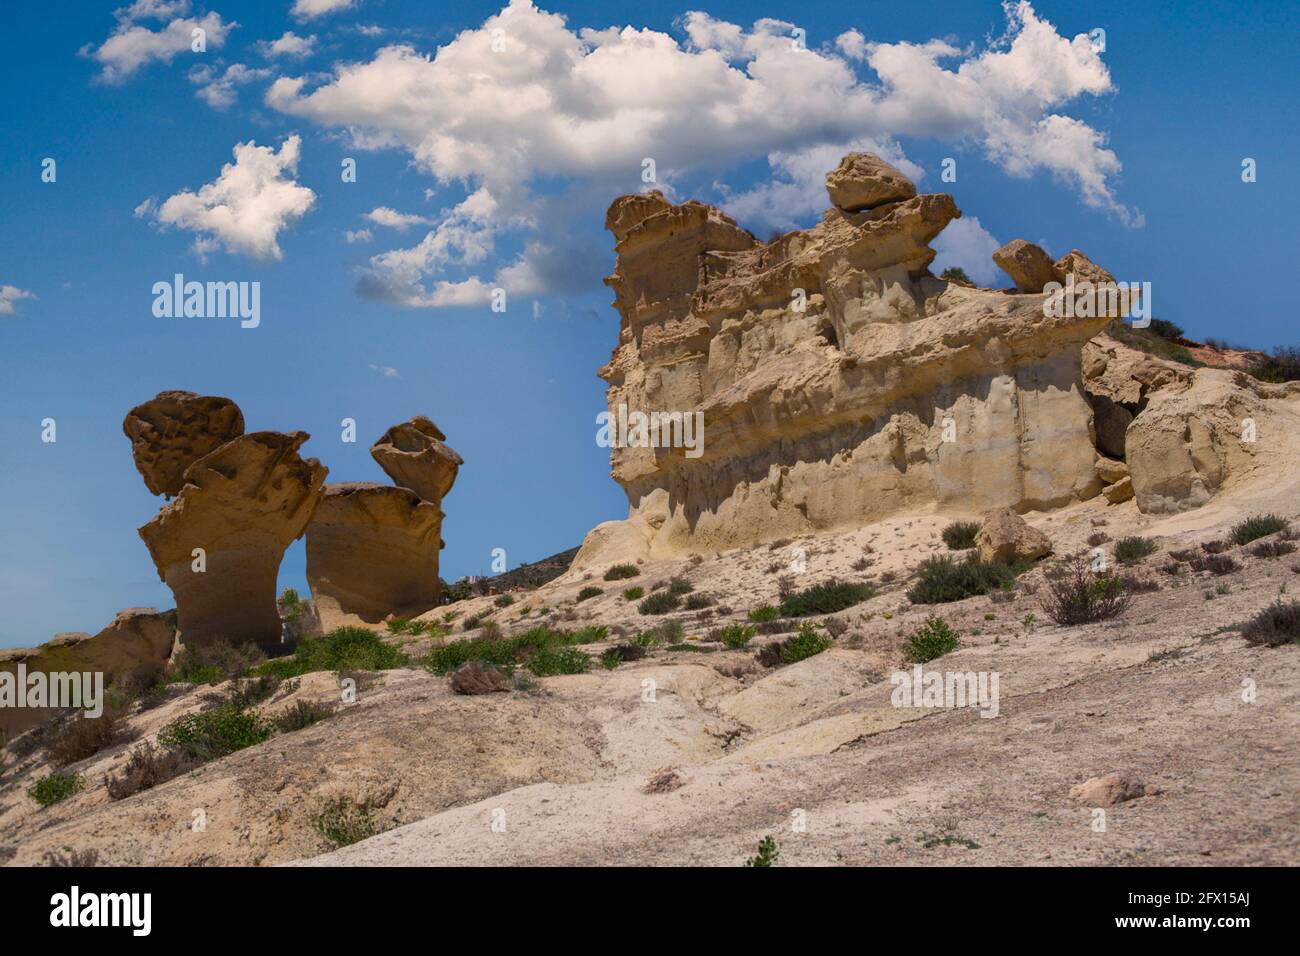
column 621, row 572
column 955, row 274
column 399, row 625
column 764, row 613
column 588, row 593
column 342, row 822
column 1257, row 527
column 633, row 594
column 302, row 714
column 940, row 579
column 504, row 600
column 680, row 586
column 214, row 662
column 933, row 639
column 660, row 602
column 590, row 634
column 807, row 643
column 737, row 635
column 501, row 652
column 215, row 733
column 960, row 535
column 1134, row 549
column 1282, row 366
column 767, row 853
column 697, row 601
column 344, row 648
column 1274, row 626
column 54, row 787
column 825, row 599
column 550, row 661
column 1166, row 329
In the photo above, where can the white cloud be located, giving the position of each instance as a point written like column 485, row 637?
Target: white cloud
column 383, row 216
column 358, row 235
column 131, row 46
column 588, row 105
column 387, row 371
column 246, row 207
column 153, row 10
column 10, row 294
column 290, row 45
column 311, row 9
column 967, row 244
column 218, row 89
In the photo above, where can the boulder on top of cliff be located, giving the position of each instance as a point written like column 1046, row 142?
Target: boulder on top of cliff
column 219, row 544
column 173, row 430
column 1028, row 265
column 865, row 181
column 414, row 455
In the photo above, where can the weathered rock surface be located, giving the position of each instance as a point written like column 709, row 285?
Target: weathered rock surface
column 1028, row 265
column 839, row 381
column 372, row 552
column 1005, row 536
column 414, row 456
column 1111, row 789
column 243, row 503
column 175, row 429
column 137, row 637
column 1120, row 491
column 865, row 181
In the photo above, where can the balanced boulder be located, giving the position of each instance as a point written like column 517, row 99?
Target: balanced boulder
column 414, row 456
column 174, row 429
column 1005, row 536
column 865, row 181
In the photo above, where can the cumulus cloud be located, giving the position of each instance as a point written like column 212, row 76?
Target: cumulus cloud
column 311, row 9
column 218, row 89
column 9, row 294
column 547, row 100
column 132, row 45
column 383, row 216
column 967, row 244
column 244, row 209
column 357, row 235
column 289, row 45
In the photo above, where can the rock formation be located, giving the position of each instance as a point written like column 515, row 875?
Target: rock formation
column 839, row 381
column 1005, row 536
column 372, row 550
column 238, row 505
column 175, row 429
column 137, row 637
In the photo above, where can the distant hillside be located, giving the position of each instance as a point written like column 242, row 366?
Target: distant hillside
column 528, row 575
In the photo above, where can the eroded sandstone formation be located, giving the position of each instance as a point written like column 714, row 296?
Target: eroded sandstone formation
column 238, row 505
column 839, row 380
column 372, row 553
column 372, row 550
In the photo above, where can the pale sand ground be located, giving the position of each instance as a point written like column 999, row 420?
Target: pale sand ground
column 566, row 763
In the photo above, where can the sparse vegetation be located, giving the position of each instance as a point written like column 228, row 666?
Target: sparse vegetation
column 219, row 732
column 621, row 572
column 633, row 594
column 504, row 600
column 78, row 737
column 302, row 714
column 55, row 787
column 807, row 643
column 680, row 586
column 825, row 599
column 1282, row 365
column 588, row 593
column 554, row 660
column 590, row 634
column 344, row 648
column 767, row 853
column 1276, row 625
column 1078, row 595
column 960, row 535
column 660, row 602
column 933, row 639
column 147, row 767
column 697, row 602
column 475, row 677
column 214, row 662
column 1257, row 527
column 736, row 635
column 1214, row 563
column 501, row 652
column 764, row 613
column 1272, row 549
column 1133, row 549
column 342, row 821
column 940, row 579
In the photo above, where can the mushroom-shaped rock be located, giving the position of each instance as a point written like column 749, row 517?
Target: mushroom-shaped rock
column 175, row 429
column 1028, row 265
column 414, row 456
column 218, row 546
column 865, row 181
column 372, row 552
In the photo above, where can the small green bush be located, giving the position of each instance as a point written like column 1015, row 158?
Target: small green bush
column 697, row 601
column 1133, row 549
column 215, row 733
column 550, row 661
column 660, row 602
column 1257, row 527
column 825, row 599
column 933, row 639
column 633, row 594
column 344, row 648
column 504, row 600
column 807, row 643
column 940, row 579
column 54, row 787
column 737, row 635
column 764, row 613
column 960, row 535
column 611, row 659
column 767, row 853
column 501, row 652
column 590, row 634
column 342, row 822
column 587, row 593
column 680, row 586
column 621, row 572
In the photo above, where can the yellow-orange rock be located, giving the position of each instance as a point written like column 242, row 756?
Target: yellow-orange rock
column 175, row 429
column 414, row 456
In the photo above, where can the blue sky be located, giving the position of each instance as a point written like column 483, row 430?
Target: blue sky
column 499, row 164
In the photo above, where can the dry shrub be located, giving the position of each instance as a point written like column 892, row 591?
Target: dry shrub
column 148, row 767
column 1214, row 563
column 1078, row 595
column 1215, row 547
column 475, row 677
column 80, row 737
column 1274, row 626
column 663, row 780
